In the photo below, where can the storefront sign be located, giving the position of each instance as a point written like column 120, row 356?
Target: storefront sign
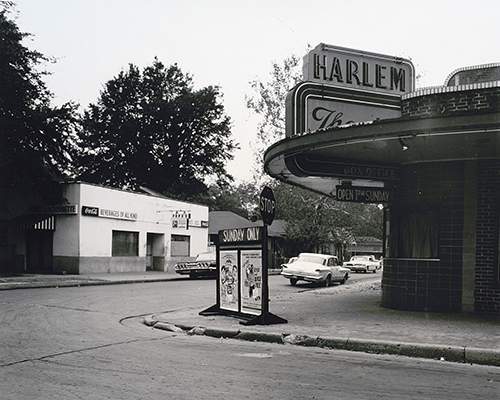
column 252, row 234
column 360, row 171
column 90, row 211
column 342, row 169
column 105, row 213
column 198, row 223
column 312, row 106
column 55, row 209
column 344, row 86
column 181, row 214
column 362, row 194
column 180, row 224
column 242, row 284
column 362, row 70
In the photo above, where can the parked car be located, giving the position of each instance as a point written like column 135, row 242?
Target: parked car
column 290, row 261
column 318, row 268
column 205, row 264
column 364, row 263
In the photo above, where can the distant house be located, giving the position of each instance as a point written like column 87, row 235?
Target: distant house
column 365, row 245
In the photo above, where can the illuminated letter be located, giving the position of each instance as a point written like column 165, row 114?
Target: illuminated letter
column 352, row 71
column 336, row 70
column 398, row 78
column 379, row 77
column 366, row 72
column 319, row 65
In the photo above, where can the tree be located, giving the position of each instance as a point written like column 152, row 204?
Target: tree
column 241, row 199
column 269, row 103
column 36, row 139
column 152, row 128
column 313, row 220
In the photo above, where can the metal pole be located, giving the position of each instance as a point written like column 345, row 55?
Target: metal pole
column 265, row 265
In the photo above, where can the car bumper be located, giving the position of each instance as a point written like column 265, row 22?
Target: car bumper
column 303, row 277
column 197, row 271
column 358, row 268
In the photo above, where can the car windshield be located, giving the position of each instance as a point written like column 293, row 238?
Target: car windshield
column 312, row 259
column 205, row 256
column 360, row 258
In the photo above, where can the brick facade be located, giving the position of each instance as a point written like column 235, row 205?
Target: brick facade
column 465, row 276
column 430, row 285
column 452, row 102
column 487, row 293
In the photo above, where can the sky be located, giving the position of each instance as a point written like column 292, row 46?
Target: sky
column 230, row 43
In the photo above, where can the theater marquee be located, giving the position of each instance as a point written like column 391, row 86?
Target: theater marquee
column 355, row 69
column 344, row 86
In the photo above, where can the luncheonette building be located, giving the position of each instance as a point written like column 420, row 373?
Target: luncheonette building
column 358, row 130
column 102, row 230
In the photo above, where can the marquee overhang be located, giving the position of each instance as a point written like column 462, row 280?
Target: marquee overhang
column 370, row 153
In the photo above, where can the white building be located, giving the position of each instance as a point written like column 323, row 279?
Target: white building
column 104, row 230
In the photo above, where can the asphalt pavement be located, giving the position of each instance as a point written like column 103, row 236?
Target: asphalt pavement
column 346, row 317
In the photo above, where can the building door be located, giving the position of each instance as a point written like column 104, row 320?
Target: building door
column 39, row 244
column 155, row 251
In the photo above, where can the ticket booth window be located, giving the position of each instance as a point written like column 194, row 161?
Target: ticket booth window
column 415, row 234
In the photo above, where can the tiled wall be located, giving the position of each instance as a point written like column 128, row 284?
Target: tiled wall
column 433, row 285
column 487, row 289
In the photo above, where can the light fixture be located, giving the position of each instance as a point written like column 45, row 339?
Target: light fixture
column 404, row 146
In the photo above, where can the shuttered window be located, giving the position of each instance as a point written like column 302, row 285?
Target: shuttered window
column 180, row 246
column 125, row 243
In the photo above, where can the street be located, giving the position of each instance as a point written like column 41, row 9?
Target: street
column 89, row 342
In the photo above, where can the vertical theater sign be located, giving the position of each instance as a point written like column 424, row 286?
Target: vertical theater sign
column 344, row 86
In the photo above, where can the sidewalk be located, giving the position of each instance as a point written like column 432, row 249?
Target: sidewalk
column 27, row 281
column 354, row 321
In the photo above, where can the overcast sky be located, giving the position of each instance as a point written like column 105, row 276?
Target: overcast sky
column 231, row 42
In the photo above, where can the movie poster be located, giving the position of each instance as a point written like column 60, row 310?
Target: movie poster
column 229, row 280
column 251, row 281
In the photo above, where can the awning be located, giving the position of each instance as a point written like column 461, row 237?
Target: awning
column 33, row 221
column 369, row 154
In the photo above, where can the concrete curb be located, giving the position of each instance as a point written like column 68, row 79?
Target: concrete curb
column 457, row 354
column 63, row 283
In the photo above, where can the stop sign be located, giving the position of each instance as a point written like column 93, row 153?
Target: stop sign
column 267, row 205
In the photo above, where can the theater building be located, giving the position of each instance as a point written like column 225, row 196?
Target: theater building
column 358, row 130
column 103, row 230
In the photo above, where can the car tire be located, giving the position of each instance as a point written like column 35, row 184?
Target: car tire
column 375, row 270
column 328, row 281
column 293, row 281
column 344, row 279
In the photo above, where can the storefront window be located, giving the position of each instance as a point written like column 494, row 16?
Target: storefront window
column 415, row 234
column 125, row 243
column 180, row 246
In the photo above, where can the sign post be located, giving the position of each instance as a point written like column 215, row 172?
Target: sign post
column 267, row 205
column 242, row 272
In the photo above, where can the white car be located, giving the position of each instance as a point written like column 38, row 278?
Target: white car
column 318, row 268
column 363, row 264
